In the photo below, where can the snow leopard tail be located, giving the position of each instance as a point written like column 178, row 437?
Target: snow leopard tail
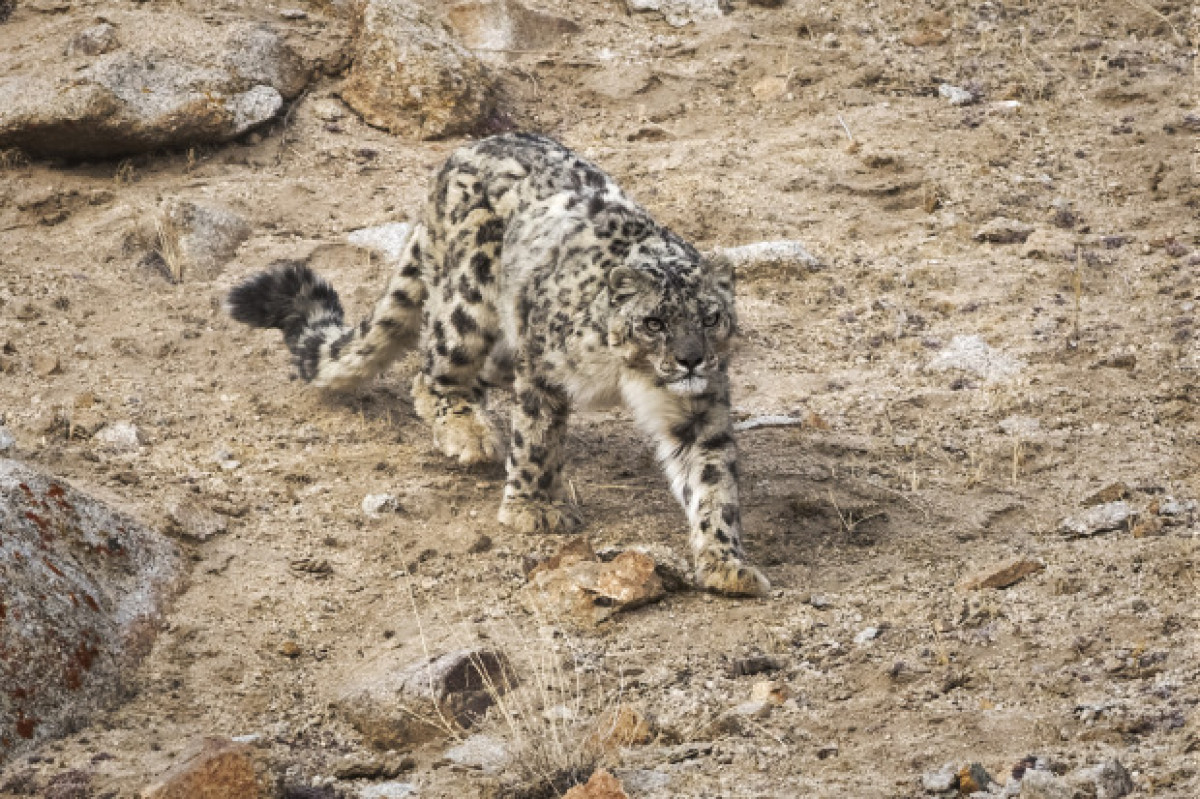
column 326, row 351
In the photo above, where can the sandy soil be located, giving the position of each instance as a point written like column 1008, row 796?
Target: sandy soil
column 809, row 122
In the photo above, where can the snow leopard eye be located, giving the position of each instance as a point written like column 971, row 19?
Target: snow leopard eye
column 711, row 319
column 654, row 324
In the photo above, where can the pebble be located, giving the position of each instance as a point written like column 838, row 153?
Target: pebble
column 956, row 94
column 388, row 790
column 374, row 506
column 1112, row 780
column 1044, row 785
column 485, row 753
column 7, row 439
column 193, row 520
column 293, row 13
column 868, row 634
column 46, row 365
column 774, row 691
column 940, row 781
column 120, row 436
column 1110, row 493
column 973, row 778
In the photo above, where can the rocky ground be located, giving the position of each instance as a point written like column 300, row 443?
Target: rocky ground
column 980, row 520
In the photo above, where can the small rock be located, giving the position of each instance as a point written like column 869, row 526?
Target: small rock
column 1002, row 230
column 397, row 707
column 774, row 691
column 868, row 634
column 827, row 751
column 957, row 95
column 375, row 506
column 1004, row 576
column 388, row 790
column 1097, row 519
column 602, row 785
column 769, row 88
column 753, row 664
column 1110, row 493
column 293, row 13
column 754, row 709
column 619, row 727
column 1149, row 526
column 360, row 767
column 412, row 78
column 290, row 649
column 7, row 440
column 765, row 259
column 217, row 767
column 1174, row 509
column 643, row 781
column 120, row 437
column 193, row 520
column 973, row 778
column 388, row 240
column 1037, row 784
column 1048, row 245
column 482, row 752
column 820, row 601
column 768, row 3
column 674, row 570
column 572, row 584
column 96, row 40
column 1112, row 780
column 197, row 240
column 972, row 354
column 480, row 545
column 46, row 365
column 649, row 132
column 495, row 28
column 1020, row 426
column 940, row 781
column 329, row 110
column 1126, row 361
column 679, row 13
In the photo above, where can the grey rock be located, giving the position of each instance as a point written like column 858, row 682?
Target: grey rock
column 7, row 440
column 767, row 258
column 120, row 437
column 387, row 790
column 411, row 76
column 374, row 506
column 1112, row 780
column 957, row 95
column 1003, row 230
column 82, row 587
column 398, row 705
column 96, row 40
column 1044, row 785
column 495, row 28
column 679, row 13
column 149, row 94
column 388, row 240
column 193, row 520
column 867, row 634
column 483, row 752
column 940, row 781
column 196, row 241
column 972, row 354
column 1097, row 519
column 641, row 781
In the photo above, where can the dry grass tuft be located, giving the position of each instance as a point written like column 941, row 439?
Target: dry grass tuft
column 167, row 248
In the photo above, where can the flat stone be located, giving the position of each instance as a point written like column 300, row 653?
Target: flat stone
column 191, row 519
column 493, row 29
column 413, row 78
column 1112, row 780
column 120, row 437
column 217, row 768
column 376, row 506
column 973, row 355
column 485, row 753
column 387, row 240
column 1036, row 784
column 679, row 13
column 956, row 95
column 398, row 705
column 137, row 98
column 196, row 241
column 1098, row 519
column 1002, row 230
column 1005, row 575
column 82, row 587
column 7, row 440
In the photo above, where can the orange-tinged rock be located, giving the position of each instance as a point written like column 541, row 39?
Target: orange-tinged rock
column 1006, row 575
column 602, row 785
column 572, row 585
column 217, row 768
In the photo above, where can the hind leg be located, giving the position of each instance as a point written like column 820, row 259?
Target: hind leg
column 450, row 393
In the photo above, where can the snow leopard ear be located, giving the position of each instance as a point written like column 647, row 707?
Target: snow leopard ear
column 626, row 281
column 719, row 267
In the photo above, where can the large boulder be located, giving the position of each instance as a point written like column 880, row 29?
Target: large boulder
column 82, row 588
column 149, row 93
column 411, row 76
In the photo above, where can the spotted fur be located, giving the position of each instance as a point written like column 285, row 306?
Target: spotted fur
column 530, row 268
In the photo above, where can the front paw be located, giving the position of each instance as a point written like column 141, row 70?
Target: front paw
column 466, row 437
column 732, row 578
column 530, row 516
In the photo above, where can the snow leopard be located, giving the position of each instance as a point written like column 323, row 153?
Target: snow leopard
column 530, row 269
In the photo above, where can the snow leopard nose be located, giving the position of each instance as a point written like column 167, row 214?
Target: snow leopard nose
column 689, row 352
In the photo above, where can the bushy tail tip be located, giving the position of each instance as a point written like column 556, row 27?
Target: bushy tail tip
column 287, row 296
